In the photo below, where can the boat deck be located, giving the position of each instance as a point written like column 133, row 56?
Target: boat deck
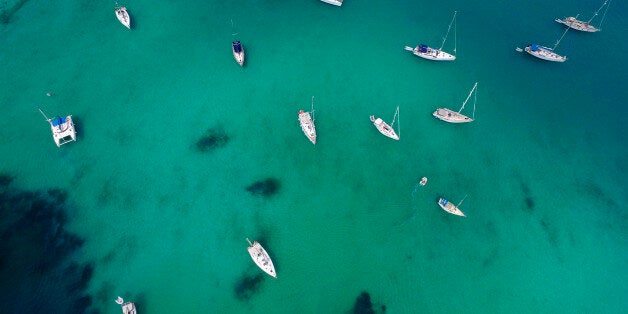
column 63, row 130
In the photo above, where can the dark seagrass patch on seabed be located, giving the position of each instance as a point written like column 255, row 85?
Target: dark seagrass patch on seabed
column 212, row 139
column 36, row 253
column 7, row 12
column 363, row 304
column 266, row 188
column 247, row 286
column 529, row 201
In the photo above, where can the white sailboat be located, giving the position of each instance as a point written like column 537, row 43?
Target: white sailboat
column 307, row 123
column 238, row 52
column 261, row 258
column 62, row 128
column 386, row 129
column 123, row 16
column 334, row 2
column 426, row 52
column 451, row 208
column 127, row 307
column 546, row 53
column 583, row 26
column 451, row 116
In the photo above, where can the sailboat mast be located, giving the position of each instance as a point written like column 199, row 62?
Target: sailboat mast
column 561, row 37
column 469, row 96
column 475, row 99
column 455, row 34
column 462, row 200
column 398, row 123
column 43, row 114
column 596, row 12
column 448, row 29
column 312, row 110
column 603, row 16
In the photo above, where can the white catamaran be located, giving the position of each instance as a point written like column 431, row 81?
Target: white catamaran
column 451, row 208
column 62, row 128
column 583, row 26
column 307, row 123
column 123, row 16
column 451, row 116
column 546, row 53
column 386, row 129
column 261, row 258
column 426, row 52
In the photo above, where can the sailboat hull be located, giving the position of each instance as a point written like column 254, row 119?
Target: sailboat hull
column 578, row 25
column 450, row 208
column 451, row 116
column 307, row 125
column 262, row 259
column 544, row 53
column 431, row 54
column 334, row 2
column 123, row 16
column 384, row 128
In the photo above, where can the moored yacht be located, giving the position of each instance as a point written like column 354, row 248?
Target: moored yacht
column 261, row 258
column 585, row 26
column 450, row 208
column 427, row 52
column 62, row 128
column 451, row 116
column 544, row 53
column 238, row 52
column 386, row 129
column 306, row 120
column 123, row 16
column 578, row 25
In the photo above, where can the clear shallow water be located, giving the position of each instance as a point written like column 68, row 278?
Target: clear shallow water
column 165, row 225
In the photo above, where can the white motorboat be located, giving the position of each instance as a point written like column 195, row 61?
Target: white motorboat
column 386, row 129
column 583, row 26
column 451, row 116
column 127, row 307
column 123, row 16
column 307, row 123
column 334, row 2
column 451, row 208
column 62, row 128
column 238, row 52
column 261, row 258
column 426, row 52
column 423, row 181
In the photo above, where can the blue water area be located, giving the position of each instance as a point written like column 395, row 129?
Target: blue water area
column 182, row 154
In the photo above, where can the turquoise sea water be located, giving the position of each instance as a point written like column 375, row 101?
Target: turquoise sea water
column 164, row 225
